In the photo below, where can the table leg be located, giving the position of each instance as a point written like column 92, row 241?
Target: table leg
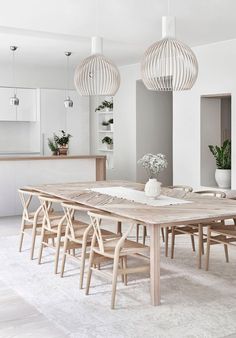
column 155, row 257
column 200, row 243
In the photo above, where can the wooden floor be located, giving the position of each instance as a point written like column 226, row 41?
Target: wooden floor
column 19, row 319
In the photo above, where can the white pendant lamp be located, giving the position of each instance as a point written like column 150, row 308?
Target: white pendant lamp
column 169, row 64
column 68, row 103
column 96, row 75
column 14, row 100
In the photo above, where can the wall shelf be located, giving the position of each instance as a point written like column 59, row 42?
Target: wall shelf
column 105, row 112
column 105, row 131
column 106, row 150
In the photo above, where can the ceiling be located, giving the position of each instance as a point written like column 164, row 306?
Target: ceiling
column 44, row 29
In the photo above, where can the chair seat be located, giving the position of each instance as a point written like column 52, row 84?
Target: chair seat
column 227, row 230
column 129, row 247
column 52, row 214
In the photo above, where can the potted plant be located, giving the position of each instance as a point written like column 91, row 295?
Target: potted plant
column 53, row 146
column 111, row 124
column 105, row 105
column 108, row 141
column 223, row 162
column 62, row 142
column 105, row 125
column 153, row 164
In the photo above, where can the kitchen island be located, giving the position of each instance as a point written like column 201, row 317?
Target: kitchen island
column 18, row 171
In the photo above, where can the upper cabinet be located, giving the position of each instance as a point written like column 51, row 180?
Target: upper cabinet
column 27, row 109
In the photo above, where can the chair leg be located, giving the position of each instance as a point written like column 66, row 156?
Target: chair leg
column 193, row 243
column 166, row 241
column 57, row 250
column 114, row 280
column 162, row 234
column 41, row 246
column 122, row 267
column 172, row 242
column 91, row 259
column 64, row 256
column 34, row 232
column 82, row 263
column 208, row 247
column 226, row 253
column 125, row 267
column 144, row 234
column 21, row 234
column 137, row 233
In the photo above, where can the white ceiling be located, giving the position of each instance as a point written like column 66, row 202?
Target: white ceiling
column 44, row 29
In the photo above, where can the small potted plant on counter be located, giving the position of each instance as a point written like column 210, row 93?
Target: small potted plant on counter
column 105, row 106
column 108, row 141
column 62, row 142
column 223, row 163
column 111, row 124
column 105, row 125
column 53, row 146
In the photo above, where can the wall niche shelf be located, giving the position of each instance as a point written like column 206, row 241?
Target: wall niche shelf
column 105, row 131
column 106, row 150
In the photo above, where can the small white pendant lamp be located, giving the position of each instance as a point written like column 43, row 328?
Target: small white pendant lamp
column 169, row 64
column 96, row 75
column 14, row 100
column 68, row 103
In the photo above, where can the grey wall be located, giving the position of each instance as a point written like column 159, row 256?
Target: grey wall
column 154, row 128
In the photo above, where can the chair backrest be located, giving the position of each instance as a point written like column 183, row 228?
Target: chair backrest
column 46, row 203
column 26, row 196
column 185, row 188
column 96, row 220
column 212, row 193
column 70, row 209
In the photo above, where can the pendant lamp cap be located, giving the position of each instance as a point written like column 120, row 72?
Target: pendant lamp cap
column 168, row 27
column 68, row 53
column 97, row 45
column 13, row 48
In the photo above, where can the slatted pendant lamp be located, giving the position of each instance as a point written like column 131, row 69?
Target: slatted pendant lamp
column 96, row 75
column 169, row 64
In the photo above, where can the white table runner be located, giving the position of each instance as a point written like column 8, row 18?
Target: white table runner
column 139, row 196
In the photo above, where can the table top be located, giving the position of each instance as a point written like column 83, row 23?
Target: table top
column 202, row 208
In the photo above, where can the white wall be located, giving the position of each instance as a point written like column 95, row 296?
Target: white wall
column 217, row 73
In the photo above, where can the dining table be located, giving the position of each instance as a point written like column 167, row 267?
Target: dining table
column 187, row 208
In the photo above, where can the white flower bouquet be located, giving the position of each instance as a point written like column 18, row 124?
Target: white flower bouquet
column 153, row 164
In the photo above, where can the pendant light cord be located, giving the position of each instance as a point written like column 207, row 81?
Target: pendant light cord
column 13, row 71
column 67, row 75
column 168, row 7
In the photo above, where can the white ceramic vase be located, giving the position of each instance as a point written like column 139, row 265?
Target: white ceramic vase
column 112, row 126
column 152, row 188
column 223, row 178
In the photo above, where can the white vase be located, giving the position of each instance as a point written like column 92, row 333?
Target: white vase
column 112, row 126
column 223, row 178
column 152, row 188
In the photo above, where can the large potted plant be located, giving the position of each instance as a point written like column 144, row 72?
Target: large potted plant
column 62, row 142
column 223, row 162
column 153, row 164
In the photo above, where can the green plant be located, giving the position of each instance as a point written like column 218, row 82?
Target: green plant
column 105, row 104
column 107, row 140
column 63, row 140
column 222, row 155
column 105, row 123
column 110, row 121
column 52, row 145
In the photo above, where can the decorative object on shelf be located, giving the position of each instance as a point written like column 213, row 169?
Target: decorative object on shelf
column 153, row 164
column 105, row 125
column 68, row 103
column 223, row 162
column 53, row 146
column 108, row 141
column 169, row 64
column 96, row 75
column 14, row 100
column 111, row 124
column 60, row 143
column 105, row 106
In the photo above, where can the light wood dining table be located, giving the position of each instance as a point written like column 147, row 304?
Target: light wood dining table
column 202, row 209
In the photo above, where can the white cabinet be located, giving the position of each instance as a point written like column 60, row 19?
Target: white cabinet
column 27, row 109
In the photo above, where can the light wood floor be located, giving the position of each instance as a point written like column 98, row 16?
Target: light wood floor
column 19, row 319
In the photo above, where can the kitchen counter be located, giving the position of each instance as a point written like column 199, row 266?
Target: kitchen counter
column 36, row 157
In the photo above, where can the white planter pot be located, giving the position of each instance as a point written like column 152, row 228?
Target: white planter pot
column 112, row 126
column 104, row 127
column 152, row 188
column 223, row 178
column 109, row 146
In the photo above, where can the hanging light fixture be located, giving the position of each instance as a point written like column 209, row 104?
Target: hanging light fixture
column 169, row 64
column 14, row 100
column 68, row 103
column 96, row 75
